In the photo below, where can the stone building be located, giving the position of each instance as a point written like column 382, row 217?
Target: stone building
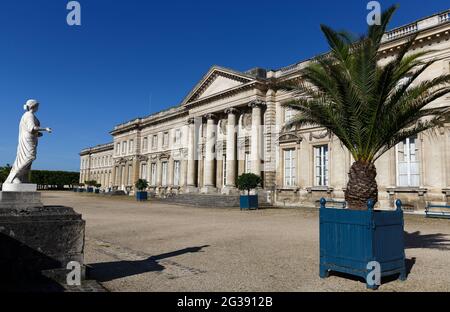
column 231, row 122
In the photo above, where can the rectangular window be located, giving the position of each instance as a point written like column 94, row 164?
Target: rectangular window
column 321, row 165
column 247, row 163
column 116, row 178
column 153, row 173
column 155, row 141
column 289, row 167
column 164, row 173
column 130, row 172
column 408, row 173
column 144, row 144
column 118, row 149
column 144, row 171
column 166, row 139
column 178, row 136
column 176, row 173
column 288, row 114
column 124, row 147
column 122, row 175
column 131, row 146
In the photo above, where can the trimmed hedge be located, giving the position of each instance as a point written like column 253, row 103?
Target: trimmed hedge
column 46, row 179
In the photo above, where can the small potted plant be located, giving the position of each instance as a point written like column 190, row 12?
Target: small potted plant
column 81, row 188
column 141, row 186
column 97, row 188
column 90, row 186
column 248, row 182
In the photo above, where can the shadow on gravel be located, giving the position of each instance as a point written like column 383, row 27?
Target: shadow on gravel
column 431, row 241
column 108, row 271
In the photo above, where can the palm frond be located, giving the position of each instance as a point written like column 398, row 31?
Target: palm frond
column 369, row 107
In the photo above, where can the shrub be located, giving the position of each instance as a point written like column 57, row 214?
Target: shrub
column 248, row 181
column 91, row 183
column 141, row 184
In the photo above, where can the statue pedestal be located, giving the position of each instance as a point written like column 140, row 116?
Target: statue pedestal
column 35, row 239
column 11, row 187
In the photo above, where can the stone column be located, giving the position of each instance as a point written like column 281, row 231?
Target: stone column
column 122, row 177
column 231, row 153
column 158, row 174
column 256, row 138
column 270, row 137
column 112, row 180
column 170, row 172
column 136, row 170
column 191, row 178
column 210, row 155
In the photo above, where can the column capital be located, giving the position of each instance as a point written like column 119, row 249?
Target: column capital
column 211, row 116
column 192, row 120
column 256, row 103
column 231, row 111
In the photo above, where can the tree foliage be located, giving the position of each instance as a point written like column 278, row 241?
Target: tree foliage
column 46, row 179
column 4, row 172
column 141, row 184
column 54, row 179
column 248, row 182
column 369, row 107
column 91, row 183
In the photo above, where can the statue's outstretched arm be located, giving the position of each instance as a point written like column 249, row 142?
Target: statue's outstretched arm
column 37, row 129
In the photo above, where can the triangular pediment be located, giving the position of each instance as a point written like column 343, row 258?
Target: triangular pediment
column 216, row 81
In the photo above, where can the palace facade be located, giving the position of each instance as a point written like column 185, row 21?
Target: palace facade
column 232, row 122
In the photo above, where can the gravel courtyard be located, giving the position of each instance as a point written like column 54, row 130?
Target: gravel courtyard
column 154, row 246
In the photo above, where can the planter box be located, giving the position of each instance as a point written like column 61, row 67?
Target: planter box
column 90, row 190
column 248, row 202
column 141, row 196
column 97, row 191
column 81, row 190
column 350, row 239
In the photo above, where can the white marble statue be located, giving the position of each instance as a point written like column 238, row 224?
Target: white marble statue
column 29, row 132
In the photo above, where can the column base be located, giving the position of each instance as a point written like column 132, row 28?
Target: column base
column 208, row 190
column 230, row 190
column 190, row 189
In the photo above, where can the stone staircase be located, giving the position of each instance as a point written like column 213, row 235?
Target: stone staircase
column 203, row 200
column 210, row 201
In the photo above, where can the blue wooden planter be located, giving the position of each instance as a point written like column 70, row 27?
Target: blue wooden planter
column 90, row 190
column 248, row 202
column 97, row 191
column 350, row 239
column 141, row 196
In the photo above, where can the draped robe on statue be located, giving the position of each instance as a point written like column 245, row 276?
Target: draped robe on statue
column 26, row 149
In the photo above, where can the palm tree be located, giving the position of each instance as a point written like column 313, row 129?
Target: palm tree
column 370, row 108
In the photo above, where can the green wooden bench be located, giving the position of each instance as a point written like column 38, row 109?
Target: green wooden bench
column 437, row 211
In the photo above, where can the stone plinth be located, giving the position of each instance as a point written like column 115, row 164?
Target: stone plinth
column 36, row 238
column 11, row 187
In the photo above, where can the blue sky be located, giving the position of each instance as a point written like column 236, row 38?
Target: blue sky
column 132, row 58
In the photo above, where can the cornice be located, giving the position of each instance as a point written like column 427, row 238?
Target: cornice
column 97, row 149
column 228, row 93
column 140, row 123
